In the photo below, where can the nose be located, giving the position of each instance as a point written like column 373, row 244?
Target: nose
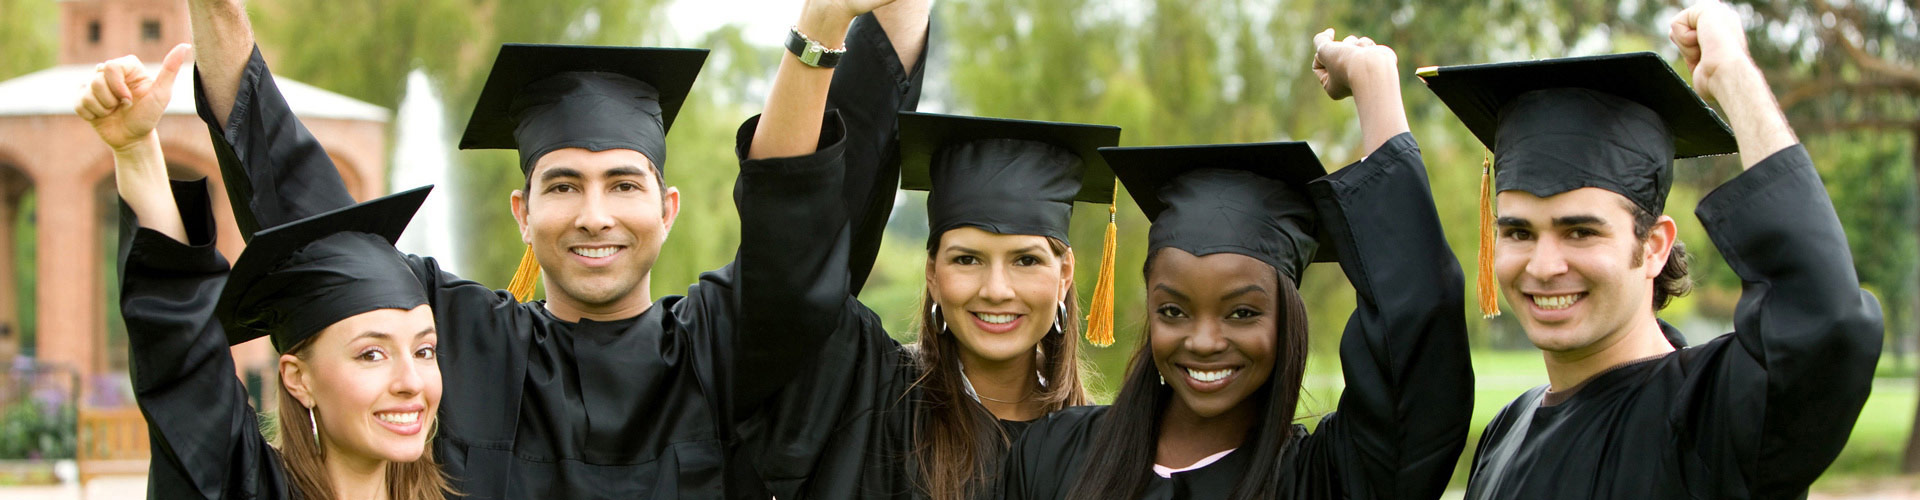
column 999, row 285
column 1207, row 339
column 408, row 377
column 1547, row 260
column 595, row 215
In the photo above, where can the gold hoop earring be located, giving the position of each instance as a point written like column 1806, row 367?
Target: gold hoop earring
column 315, row 424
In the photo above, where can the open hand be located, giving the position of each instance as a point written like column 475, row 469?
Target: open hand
column 124, row 101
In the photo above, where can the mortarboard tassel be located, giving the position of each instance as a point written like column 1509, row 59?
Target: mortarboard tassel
column 1489, row 289
column 1100, row 313
column 523, row 278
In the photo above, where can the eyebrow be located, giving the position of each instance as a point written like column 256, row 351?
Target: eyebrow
column 557, row 173
column 626, row 171
column 429, row 330
column 1243, row 291
column 1170, row 291
column 1562, row 221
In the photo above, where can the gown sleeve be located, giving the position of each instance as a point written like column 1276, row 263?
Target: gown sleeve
column 275, row 171
column 1781, row 400
column 205, row 438
column 870, row 88
column 1402, row 419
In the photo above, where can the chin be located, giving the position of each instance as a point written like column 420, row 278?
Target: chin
column 1000, row 347
column 403, row 450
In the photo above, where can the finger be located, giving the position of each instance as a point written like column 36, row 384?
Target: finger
column 1322, row 38
column 1350, row 39
column 81, row 108
column 103, row 95
column 170, row 69
column 115, row 80
column 92, row 105
column 1366, row 42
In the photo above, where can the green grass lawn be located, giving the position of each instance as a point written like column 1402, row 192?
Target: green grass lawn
column 1874, row 450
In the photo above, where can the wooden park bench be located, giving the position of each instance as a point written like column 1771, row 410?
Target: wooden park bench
column 112, row 442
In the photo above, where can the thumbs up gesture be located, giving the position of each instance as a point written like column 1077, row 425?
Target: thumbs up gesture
column 124, row 100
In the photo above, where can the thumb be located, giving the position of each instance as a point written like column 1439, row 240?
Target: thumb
column 170, row 69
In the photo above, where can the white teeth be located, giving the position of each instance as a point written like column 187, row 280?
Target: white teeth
column 1209, row 376
column 998, row 319
column 1554, row 302
column 595, row 253
column 398, row 418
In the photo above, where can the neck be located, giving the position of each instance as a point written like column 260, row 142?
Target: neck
column 1638, row 339
column 356, row 477
column 572, row 310
column 1187, row 437
column 1012, row 380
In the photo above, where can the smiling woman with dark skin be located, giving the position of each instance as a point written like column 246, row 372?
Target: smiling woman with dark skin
column 1207, row 408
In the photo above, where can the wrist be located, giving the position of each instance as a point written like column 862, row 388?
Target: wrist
column 1374, row 74
column 141, row 149
column 1731, row 77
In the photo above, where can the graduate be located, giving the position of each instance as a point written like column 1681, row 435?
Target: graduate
column 998, row 341
column 601, row 391
column 1583, row 152
column 1207, row 409
column 359, row 380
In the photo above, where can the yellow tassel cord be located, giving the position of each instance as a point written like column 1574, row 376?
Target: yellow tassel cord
column 1100, row 313
column 1489, row 289
column 523, row 278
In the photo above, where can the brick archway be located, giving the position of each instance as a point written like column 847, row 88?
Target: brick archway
column 15, row 184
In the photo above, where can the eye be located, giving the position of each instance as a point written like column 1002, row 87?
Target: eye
column 966, row 260
column 1516, row 234
column 372, row 355
column 560, row 188
column 1026, row 260
column 1581, row 233
column 1171, row 312
column 426, row 352
column 627, row 186
column 1244, row 313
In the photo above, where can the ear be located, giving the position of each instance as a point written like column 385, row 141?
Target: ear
column 1659, row 244
column 294, row 374
column 518, row 200
column 669, row 207
column 1066, row 274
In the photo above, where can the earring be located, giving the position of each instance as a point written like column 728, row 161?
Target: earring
column 1059, row 317
column 1163, row 379
column 315, row 424
column 934, row 311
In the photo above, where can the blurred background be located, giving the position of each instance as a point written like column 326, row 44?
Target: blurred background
column 392, row 84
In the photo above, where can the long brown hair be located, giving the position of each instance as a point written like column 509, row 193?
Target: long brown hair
column 1125, row 442
column 306, row 467
column 957, row 448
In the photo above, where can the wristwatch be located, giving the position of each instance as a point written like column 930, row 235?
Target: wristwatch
column 811, row 52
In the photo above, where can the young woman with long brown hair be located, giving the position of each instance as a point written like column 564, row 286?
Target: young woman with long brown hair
column 359, row 384
column 997, row 345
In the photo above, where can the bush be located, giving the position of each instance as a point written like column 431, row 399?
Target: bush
column 32, row 430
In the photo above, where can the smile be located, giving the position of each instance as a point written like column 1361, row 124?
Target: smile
column 401, row 418
column 998, row 319
column 1210, row 375
column 595, row 252
column 1556, row 302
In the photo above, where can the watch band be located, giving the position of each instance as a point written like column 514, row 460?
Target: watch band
column 811, row 52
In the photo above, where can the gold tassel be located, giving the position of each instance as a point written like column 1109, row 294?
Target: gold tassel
column 524, row 277
column 1100, row 313
column 1489, row 289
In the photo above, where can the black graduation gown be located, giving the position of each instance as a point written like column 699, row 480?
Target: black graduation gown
column 1402, row 419
column 537, row 407
column 205, row 438
column 1758, row 413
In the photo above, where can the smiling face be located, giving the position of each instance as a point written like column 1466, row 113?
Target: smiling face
column 1572, row 266
column 1213, row 326
column 372, row 382
column 998, row 293
column 596, row 221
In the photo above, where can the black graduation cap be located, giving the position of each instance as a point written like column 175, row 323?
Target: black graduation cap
column 1004, row 176
column 540, row 98
column 295, row 279
column 1614, row 122
column 1247, row 199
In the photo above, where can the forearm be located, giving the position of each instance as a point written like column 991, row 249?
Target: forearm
column 790, row 123
column 1376, row 96
column 905, row 22
column 1758, row 124
column 222, row 42
column 140, row 172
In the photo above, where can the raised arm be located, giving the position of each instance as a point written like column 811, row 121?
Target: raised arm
column 879, row 77
column 124, row 103
column 1402, row 419
column 1781, row 400
column 223, row 42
